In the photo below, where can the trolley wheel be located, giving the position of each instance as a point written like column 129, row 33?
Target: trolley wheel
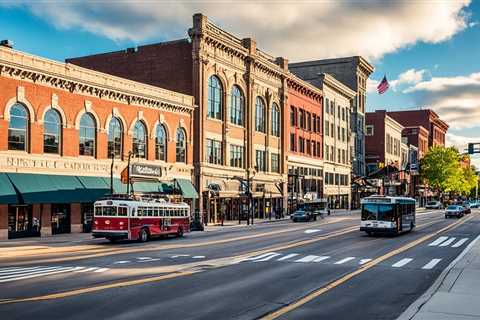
column 143, row 235
column 112, row 240
column 369, row 233
column 180, row 232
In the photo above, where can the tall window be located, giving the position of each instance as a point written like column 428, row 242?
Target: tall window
column 215, row 94
column 52, row 128
column 115, row 138
column 139, row 140
column 260, row 160
column 181, row 154
column 260, row 115
column 237, row 106
column 293, row 139
column 293, row 116
column 87, row 135
column 214, row 151
column 309, row 121
column 275, row 120
column 160, row 143
column 236, row 156
column 18, row 128
column 275, row 159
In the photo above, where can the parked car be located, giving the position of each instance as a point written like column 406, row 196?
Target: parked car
column 466, row 206
column 434, row 205
column 301, row 215
column 454, row 211
column 474, row 204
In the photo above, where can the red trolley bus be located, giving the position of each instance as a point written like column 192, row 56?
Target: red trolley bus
column 141, row 219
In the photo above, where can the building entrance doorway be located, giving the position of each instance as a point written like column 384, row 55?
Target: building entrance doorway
column 20, row 222
column 60, row 218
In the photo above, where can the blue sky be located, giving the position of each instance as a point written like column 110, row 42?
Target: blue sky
column 428, row 50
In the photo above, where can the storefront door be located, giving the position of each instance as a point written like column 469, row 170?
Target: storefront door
column 60, row 218
column 20, row 222
column 87, row 216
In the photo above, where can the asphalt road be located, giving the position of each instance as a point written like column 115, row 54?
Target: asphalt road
column 319, row 270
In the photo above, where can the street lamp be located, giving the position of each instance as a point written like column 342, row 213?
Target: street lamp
column 111, row 172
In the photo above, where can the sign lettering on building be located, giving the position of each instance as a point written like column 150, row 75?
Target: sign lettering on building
column 146, row 170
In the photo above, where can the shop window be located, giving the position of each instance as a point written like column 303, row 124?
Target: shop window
column 215, row 98
column 275, row 162
column 181, row 154
column 161, row 143
column 237, row 106
column 260, row 160
column 236, row 156
column 87, row 135
column 18, row 128
column 139, row 145
column 52, row 129
column 214, row 151
column 115, row 138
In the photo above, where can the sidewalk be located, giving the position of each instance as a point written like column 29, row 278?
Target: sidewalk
column 455, row 295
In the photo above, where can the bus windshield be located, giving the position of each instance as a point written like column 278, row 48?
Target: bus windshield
column 381, row 212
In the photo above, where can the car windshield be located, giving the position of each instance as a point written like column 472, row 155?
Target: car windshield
column 452, row 207
column 432, row 203
column 382, row 212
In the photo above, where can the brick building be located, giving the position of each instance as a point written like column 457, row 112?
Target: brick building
column 241, row 94
column 304, row 129
column 428, row 119
column 59, row 126
column 417, row 136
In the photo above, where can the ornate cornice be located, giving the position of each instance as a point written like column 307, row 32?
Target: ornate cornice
column 18, row 65
column 304, row 88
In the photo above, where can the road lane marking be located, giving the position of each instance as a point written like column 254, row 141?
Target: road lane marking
column 401, row 263
column 321, row 258
column 345, row 260
column 448, row 242
column 198, row 257
column 144, row 258
column 149, row 260
column 121, row 262
column 180, row 255
column 308, row 231
column 460, row 242
column 438, row 241
column 5, row 271
column 268, row 257
column 60, row 270
column 101, row 270
column 236, row 259
column 16, row 274
column 308, row 258
column 431, row 264
column 87, row 269
column 288, row 256
column 316, row 293
column 363, row 261
column 261, row 256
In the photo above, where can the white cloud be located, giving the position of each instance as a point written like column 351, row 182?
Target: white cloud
column 455, row 99
column 299, row 30
column 461, row 142
column 408, row 77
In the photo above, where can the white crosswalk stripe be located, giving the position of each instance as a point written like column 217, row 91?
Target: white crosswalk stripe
column 448, row 242
column 271, row 256
column 431, row 264
column 402, row 262
column 363, row 261
column 438, row 241
column 288, row 256
column 345, row 260
column 308, row 258
column 460, row 242
column 321, row 258
column 261, row 256
column 22, row 273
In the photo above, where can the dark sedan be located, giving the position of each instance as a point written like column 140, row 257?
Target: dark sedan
column 301, row 215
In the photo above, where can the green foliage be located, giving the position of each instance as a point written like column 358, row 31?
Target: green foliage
column 441, row 168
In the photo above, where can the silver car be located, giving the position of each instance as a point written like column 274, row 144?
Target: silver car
column 434, row 205
column 454, row 211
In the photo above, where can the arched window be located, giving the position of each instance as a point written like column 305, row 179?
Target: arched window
column 181, row 146
column 237, row 106
column 87, row 135
column 115, row 138
column 52, row 131
column 18, row 128
column 215, row 95
column 259, row 115
column 161, row 143
column 140, row 140
column 275, row 120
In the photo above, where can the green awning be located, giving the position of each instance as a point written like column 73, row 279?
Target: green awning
column 118, row 186
column 187, row 188
column 8, row 195
column 142, row 186
column 34, row 188
column 96, row 187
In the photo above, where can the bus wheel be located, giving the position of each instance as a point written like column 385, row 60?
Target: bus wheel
column 180, row 232
column 143, row 235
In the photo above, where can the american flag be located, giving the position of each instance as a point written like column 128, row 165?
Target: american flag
column 383, row 85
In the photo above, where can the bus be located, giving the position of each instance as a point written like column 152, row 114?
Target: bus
column 387, row 214
column 139, row 219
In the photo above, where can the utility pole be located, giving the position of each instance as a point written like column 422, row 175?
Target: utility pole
column 111, row 173
column 128, row 173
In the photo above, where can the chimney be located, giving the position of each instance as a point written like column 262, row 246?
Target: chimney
column 282, row 63
column 250, row 44
column 6, row 44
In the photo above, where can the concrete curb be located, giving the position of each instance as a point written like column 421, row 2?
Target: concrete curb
column 415, row 307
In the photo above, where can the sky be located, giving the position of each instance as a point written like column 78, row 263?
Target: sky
column 429, row 50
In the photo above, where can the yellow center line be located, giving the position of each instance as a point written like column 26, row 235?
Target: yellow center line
column 190, row 268
column 280, row 312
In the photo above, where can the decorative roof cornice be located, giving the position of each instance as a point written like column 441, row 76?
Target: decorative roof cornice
column 336, row 85
column 304, row 87
column 19, row 65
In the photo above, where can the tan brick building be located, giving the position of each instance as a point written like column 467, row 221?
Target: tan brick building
column 59, row 124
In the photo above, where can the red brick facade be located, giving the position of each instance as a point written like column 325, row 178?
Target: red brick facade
column 417, row 136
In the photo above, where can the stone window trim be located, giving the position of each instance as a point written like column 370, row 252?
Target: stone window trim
column 88, row 109
column 20, row 98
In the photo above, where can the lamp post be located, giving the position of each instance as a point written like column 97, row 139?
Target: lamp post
column 111, row 173
column 128, row 173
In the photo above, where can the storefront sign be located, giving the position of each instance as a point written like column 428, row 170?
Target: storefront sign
column 146, row 170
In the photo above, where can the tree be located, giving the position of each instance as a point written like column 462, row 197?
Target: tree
column 441, row 169
column 470, row 180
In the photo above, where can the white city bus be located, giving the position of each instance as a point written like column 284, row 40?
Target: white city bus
column 387, row 214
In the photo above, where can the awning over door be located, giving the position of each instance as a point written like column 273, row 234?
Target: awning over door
column 187, row 188
column 8, row 195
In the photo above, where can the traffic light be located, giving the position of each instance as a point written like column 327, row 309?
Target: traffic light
column 471, row 148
